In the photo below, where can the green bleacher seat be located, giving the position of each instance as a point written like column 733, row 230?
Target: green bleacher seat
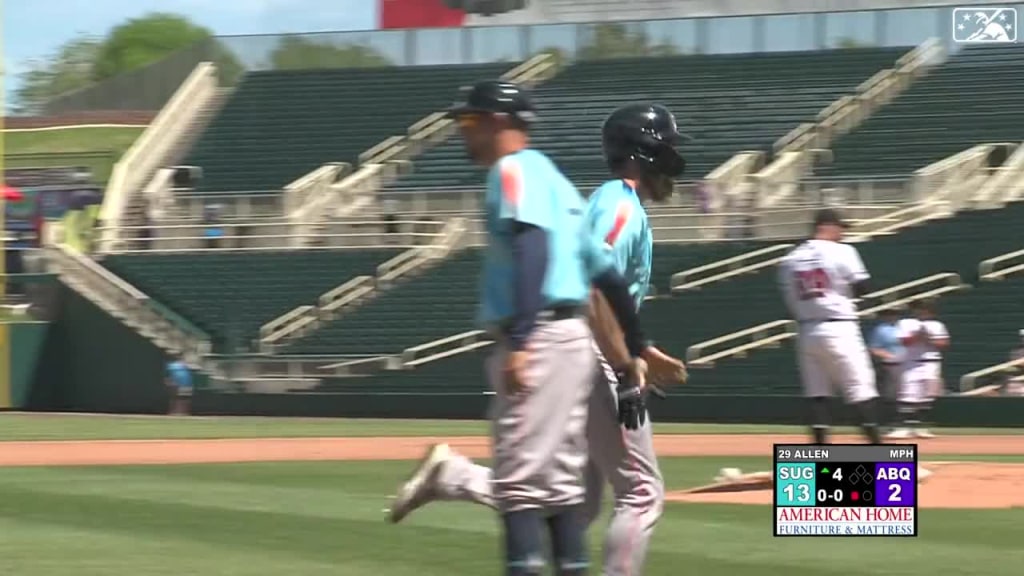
column 437, row 303
column 443, row 301
column 230, row 295
column 971, row 99
column 728, row 103
column 279, row 125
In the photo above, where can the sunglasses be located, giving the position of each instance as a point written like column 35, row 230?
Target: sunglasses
column 468, row 120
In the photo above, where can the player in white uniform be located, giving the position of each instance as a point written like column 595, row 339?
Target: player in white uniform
column 924, row 338
column 819, row 280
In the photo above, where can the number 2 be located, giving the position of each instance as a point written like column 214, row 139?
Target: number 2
column 811, row 284
column 894, row 493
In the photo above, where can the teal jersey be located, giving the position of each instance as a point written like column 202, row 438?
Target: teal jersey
column 526, row 187
column 618, row 222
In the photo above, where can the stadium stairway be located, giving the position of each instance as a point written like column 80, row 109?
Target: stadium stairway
column 726, row 102
column 230, row 295
column 973, row 98
column 421, row 308
column 957, row 244
column 279, row 125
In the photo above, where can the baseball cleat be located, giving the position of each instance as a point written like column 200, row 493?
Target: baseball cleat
column 899, row 433
column 421, row 487
column 924, row 433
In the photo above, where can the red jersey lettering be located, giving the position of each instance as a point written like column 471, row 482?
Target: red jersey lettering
column 813, row 283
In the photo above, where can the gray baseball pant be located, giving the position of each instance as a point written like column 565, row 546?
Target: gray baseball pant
column 625, row 458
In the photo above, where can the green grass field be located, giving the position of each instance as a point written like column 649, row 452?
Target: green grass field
column 70, row 140
column 326, row 517
column 14, row 426
column 95, row 148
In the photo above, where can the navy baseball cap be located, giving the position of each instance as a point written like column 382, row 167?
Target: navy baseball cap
column 495, row 97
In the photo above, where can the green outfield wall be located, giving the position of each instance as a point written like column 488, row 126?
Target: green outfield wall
column 91, row 362
column 87, row 361
column 950, row 411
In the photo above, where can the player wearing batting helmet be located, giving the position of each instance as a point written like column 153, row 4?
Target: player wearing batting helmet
column 538, row 271
column 639, row 144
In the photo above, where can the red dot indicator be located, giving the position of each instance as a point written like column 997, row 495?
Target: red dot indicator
column 854, row 495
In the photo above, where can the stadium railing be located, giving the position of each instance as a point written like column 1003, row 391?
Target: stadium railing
column 1006, row 183
column 444, row 348
column 970, row 382
column 850, row 111
column 888, row 222
column 297, row 192
column 304, row 319
column 385, row 161
column 735, row 266
column 994, row 270
column 802, row 148
column 771, row 334
column 779, row 180
column 149, row 151
column 729, row 182
column 252, row 205
column 278, row 236
column 1000, row 267
column 955, row 178
column 151, row 319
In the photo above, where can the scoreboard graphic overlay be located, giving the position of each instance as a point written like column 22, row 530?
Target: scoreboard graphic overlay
column 845, row 490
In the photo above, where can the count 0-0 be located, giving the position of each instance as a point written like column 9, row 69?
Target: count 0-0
column 837, row 495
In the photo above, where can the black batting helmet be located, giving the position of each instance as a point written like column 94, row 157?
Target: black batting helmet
column 647, row 134
column 496, row 97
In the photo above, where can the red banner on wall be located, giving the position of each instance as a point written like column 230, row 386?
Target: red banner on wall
column 417, row 14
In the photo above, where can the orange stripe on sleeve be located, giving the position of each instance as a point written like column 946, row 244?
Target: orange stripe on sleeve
column 511, row 182
column 621, row 217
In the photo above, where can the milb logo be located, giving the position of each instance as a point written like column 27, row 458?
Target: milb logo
column 984, row 25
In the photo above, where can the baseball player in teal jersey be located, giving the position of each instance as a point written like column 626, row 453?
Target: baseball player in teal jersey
column 638, row 143
column 538, row 271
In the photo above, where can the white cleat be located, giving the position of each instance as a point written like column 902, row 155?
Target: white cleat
column 421, row 487
column 923, row 433
column 899, row 434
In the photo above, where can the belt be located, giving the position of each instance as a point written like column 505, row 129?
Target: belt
column 552, row 314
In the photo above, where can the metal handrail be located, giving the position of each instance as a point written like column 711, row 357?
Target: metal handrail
column 693, row 352
column 678, row 280
column 987, row 268
column 950, row 277
column 968, row 380
column 789, row 326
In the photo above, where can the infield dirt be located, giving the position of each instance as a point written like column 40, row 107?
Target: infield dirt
column 991, row 485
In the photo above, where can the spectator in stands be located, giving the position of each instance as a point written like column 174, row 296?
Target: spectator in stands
column 179, row 386
column 214, row 232
column 888, row 352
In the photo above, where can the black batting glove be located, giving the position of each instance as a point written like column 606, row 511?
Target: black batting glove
column 632, row 408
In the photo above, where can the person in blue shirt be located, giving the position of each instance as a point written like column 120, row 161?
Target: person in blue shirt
column 637, row 143
column 887, row 350
column 640, row 147
column 179, row 383
column 540, row 264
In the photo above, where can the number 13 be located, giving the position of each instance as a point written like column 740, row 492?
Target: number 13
column 805, row 493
